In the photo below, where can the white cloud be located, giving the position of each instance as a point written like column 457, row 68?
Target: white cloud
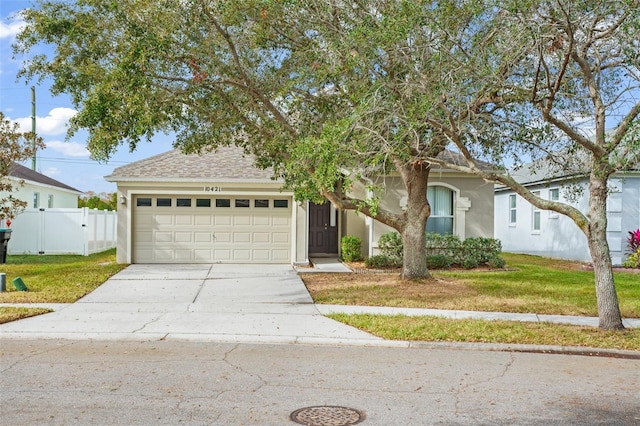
column 13, row 26
column 55, row 123
column 72, row 149
column 51, row 171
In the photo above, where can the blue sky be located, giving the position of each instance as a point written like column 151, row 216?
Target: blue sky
column 66, row 161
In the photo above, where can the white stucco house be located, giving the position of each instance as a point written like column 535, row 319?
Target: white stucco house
column 220, row 208
column 523, row 228
column 40, row 191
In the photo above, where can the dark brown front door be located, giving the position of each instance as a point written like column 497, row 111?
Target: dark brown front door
column 323, row 238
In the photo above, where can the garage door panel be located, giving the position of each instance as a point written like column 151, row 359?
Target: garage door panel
column 184, row 220
column 183, row 237
column 242, row 255
column 164, row 219
column 208, row 233
column 222, row 255
column 241, row 237
column 183, row 255
column 261, row 255
column 280, row 221
column 223, row 237
column 242, row 220
column 203, row 220
column 280, row 237
column 202, row 237
column 222, row 220
column 261, row 221
column 163, row 237
column 261, row 237
column 202, row 255
column 280, row 255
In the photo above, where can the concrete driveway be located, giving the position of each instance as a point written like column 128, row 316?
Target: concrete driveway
column 226, row 303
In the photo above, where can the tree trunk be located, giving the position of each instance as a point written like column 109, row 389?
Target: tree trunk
column 415, row 176
column 606, row 296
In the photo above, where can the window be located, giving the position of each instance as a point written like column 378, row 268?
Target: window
column 203, row 202
column 554, row 195
column 50, row 201
column 441, row 202
column 143, row 202
column 183, row 202
column 535, row 215
column 281, row 203
column 512, row 209
column 223, row 202
column 261, row 203
column 163, row 202
column 242, row 203
column 36, row 200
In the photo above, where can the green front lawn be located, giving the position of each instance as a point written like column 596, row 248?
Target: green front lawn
column 55, row 278
column 530, row 284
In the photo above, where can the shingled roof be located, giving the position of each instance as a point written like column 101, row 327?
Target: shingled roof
column 21, row 172
column 223, row 164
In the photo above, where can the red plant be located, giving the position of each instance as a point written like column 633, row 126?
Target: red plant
column 633, row 242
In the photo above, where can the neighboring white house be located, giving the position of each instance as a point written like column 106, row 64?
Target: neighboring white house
column 220, row 208
column 523, row 228
column 40, row 191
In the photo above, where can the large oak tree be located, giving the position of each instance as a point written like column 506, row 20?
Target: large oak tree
column 326, row 92
column 332, row 92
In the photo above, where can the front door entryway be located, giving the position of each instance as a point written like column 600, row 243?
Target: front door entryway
column 323, row 229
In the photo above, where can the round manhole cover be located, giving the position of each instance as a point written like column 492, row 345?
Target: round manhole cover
column 327, row 415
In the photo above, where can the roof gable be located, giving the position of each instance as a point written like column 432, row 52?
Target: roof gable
column 19, row 171
column 224, row 164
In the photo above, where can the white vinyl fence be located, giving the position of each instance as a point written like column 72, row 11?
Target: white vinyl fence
column 63, row 231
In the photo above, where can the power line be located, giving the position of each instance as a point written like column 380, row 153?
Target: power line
column 81, row 161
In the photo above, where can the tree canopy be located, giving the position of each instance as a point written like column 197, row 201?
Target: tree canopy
column 14, row 147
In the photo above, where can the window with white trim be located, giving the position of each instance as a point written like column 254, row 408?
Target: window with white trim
column 535, row 215
column 36, row 200
column 50, row 201
column 554, row 195
column 441, row 201
column 513, row 214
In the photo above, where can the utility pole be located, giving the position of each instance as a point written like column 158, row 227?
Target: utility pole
column 33, row 125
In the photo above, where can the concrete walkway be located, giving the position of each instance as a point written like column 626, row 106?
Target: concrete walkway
column 225, row 303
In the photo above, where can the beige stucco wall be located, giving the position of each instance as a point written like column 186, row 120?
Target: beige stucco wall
column 473, row 205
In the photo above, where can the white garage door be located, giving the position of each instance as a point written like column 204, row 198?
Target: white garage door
column 216, row 229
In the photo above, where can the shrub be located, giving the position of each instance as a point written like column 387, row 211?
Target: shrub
column 383, row 261
column 351, row 248
column 633, row 261
column 390, row 244
column 438, row 261
column 633, row 242
column 496, row 262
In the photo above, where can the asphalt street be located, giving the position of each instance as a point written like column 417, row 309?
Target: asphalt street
column 164, row 382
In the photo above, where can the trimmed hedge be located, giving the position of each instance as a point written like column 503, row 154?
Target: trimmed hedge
column 444, row 251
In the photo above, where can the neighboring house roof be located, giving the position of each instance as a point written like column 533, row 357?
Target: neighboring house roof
column 24, row 173
column 459, row 160
column 224, row 164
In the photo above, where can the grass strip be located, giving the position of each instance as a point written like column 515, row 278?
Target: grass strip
column 9, row 313
column 436, row 329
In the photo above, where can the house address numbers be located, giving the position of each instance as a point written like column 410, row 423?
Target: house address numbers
column 213, row 188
